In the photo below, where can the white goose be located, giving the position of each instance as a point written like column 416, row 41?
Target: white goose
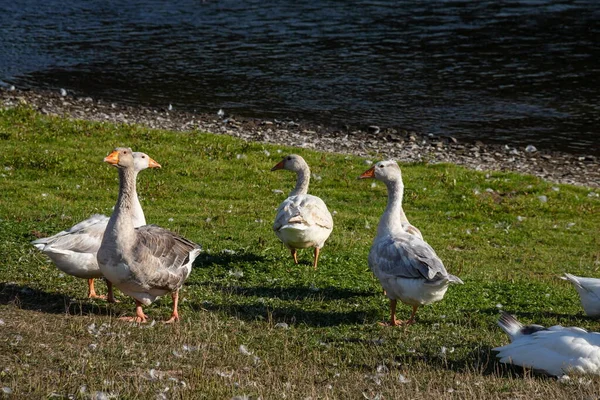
column 589, row 293
column 74, row 250
column 555, row 350
column 144, row 262
column 406, row 266
column 302, row 220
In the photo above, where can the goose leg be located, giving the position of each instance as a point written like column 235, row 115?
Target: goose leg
column 317, row 251
column 393, row 320
column 175, row 314
column 140, row 317
column 295, row 255
column 111, row 294
column 411, row 320
column 92, row 291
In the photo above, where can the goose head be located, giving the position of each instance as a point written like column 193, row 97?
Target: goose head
column 293, row 162
column 141, row 161
column 124, row 157
column 385, row 171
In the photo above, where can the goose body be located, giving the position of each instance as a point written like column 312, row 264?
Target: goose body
column 555, row 350
column 589, row 293
column 74, row 250
column 407, row 267
column 144, row 262
column 302, row 220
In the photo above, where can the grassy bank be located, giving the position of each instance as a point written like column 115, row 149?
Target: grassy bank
column 305, row 333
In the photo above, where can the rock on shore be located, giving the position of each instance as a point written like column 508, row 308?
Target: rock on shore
column 373, row 142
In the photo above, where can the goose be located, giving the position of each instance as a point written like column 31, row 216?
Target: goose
column 73, row 251
column 555, row 351
column 406, row 266
column 144, row 262
column 589, row 293
column 302, row 220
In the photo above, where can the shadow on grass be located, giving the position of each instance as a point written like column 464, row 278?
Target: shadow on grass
column 226, row 259
column 291, row 293
column 536, row 317
column 27, row 298
column 290, row 315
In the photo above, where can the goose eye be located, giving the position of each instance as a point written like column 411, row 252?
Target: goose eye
column 289, row 158
column 380, row 166
column 143, row 156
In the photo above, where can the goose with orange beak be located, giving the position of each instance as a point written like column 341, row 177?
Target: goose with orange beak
column 144, row 262
column 406, row 266
column 74, row 250
column 302, row 220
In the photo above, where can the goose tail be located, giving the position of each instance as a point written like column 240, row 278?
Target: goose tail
column 510, row 325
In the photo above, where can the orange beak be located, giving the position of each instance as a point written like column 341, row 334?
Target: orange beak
column 370, row 173
column 153, row 164
column 278, row 166
column 112, row 158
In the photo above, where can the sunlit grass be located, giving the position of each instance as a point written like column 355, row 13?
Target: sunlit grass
column 306, row 333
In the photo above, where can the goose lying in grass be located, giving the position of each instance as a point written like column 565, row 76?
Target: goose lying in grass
column 555, row 351
column 589, row 293
column 74, row 250
column 302, row 220
column 406, row 266
column 144, row 262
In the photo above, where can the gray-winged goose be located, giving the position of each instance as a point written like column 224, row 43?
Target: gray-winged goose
column 406, row 266
column 556, row 350
column 144, row 262
column 302, row 220
column 73, row 251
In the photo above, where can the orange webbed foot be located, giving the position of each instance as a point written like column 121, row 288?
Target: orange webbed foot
column 96, row 296
column 135, row 319
column 174, row 318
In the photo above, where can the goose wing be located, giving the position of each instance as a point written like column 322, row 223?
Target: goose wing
column 84, row 237
column 303, row 209
column 163, row 259
column 406, row 256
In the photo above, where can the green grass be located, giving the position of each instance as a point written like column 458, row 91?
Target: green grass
column 218, row 191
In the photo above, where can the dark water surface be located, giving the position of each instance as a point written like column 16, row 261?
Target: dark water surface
column 517, row 72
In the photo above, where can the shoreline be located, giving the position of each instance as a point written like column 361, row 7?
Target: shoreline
column 401, row 145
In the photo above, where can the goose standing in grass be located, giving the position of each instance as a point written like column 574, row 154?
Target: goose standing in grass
column 589, row 293
column 406, row 266
column 74, row 250
column 144, row 262
column 555, row 351
column 302, row 220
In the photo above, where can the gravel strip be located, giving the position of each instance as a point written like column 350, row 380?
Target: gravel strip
column 375, row 143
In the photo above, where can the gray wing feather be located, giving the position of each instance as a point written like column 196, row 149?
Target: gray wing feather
column 164, row 256
column 307, row 209
column 406, row 256
column 84, row 237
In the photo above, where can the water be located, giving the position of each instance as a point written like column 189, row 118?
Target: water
column 516, row 72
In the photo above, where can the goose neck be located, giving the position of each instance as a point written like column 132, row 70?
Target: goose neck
column 122, row 215
column 137, row 212
column 302, row 182
column 391, row 219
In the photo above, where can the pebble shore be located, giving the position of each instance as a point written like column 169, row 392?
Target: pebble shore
column 375, row 143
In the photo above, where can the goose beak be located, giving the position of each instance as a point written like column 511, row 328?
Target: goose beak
column 112, row 158
column 278, row 166
column 370, row 173
column 153, row 164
